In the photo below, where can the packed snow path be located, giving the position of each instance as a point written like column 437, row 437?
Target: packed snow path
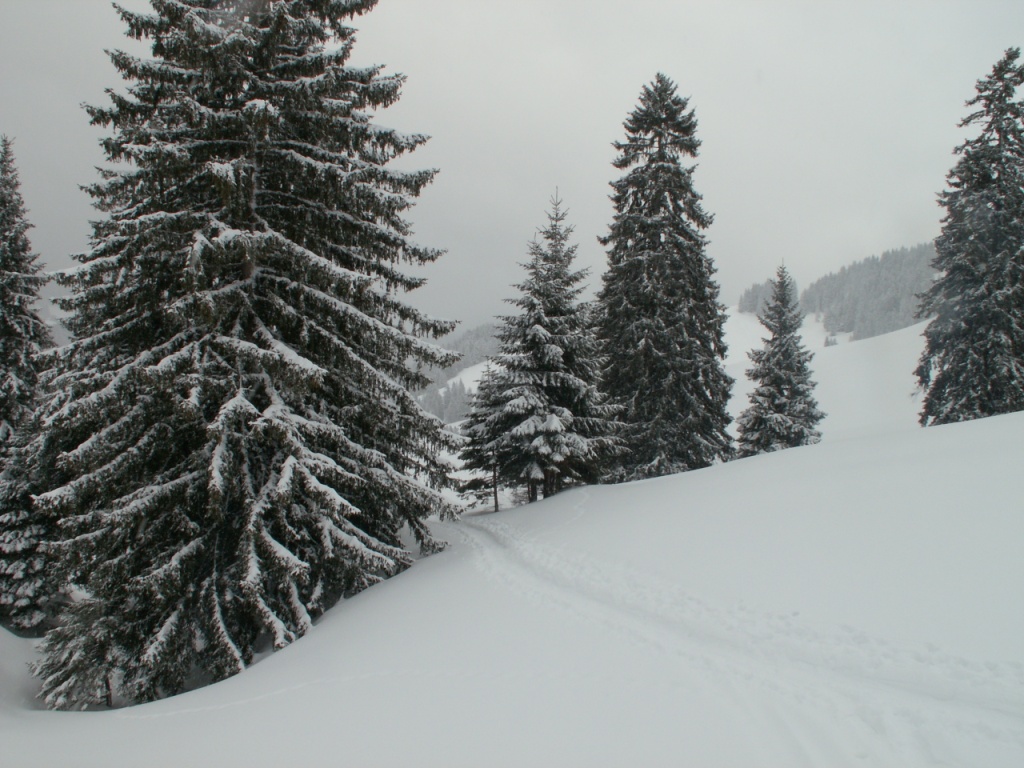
column 834, row 698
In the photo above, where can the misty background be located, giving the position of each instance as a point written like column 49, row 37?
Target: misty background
column 827, row 127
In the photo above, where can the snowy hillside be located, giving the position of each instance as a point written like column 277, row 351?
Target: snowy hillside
column 854, row 603
column 469, row 377
column 865, row 387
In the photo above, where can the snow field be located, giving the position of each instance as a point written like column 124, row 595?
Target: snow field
column 865, row 387
column 854, row 603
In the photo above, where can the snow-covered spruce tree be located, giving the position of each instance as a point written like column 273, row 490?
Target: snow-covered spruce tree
column 22, row 333
column 660, row 321
column 486, row 432
column 22, row 336
column 230, row 444
column 783, row 412
column 540, row 416
column 973, row 362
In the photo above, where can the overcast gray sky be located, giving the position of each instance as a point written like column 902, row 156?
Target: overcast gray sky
column 827, row 127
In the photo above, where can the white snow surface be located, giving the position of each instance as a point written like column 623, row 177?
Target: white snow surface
column 853, row 603
column 865, row 387
column 470, row 377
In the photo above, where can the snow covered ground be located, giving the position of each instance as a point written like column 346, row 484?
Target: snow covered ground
column 865, row 387
column 470, row 377
column 854, row 603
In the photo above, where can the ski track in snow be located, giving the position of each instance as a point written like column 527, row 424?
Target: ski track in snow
column 911, row 697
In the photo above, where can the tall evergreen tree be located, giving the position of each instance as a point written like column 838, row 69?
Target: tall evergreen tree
column 540, row 417
column 783, row 412
column 486, row 430
column 22, row 336
column 22, row 333
column 973, row 362
column 229, row 445
column 660, row 319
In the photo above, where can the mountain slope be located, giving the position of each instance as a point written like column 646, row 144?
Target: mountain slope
column 865, row 388
column 854, row 603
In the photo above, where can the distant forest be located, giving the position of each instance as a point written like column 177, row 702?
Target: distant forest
column 867, row 298
column 451, row 404
column 756, row 296
column 874, row 296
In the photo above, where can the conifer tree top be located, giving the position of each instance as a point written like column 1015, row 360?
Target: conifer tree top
column 660, row 128
column 657, row 189
column 782, row 315
column 14, row 225
column 992, row 156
